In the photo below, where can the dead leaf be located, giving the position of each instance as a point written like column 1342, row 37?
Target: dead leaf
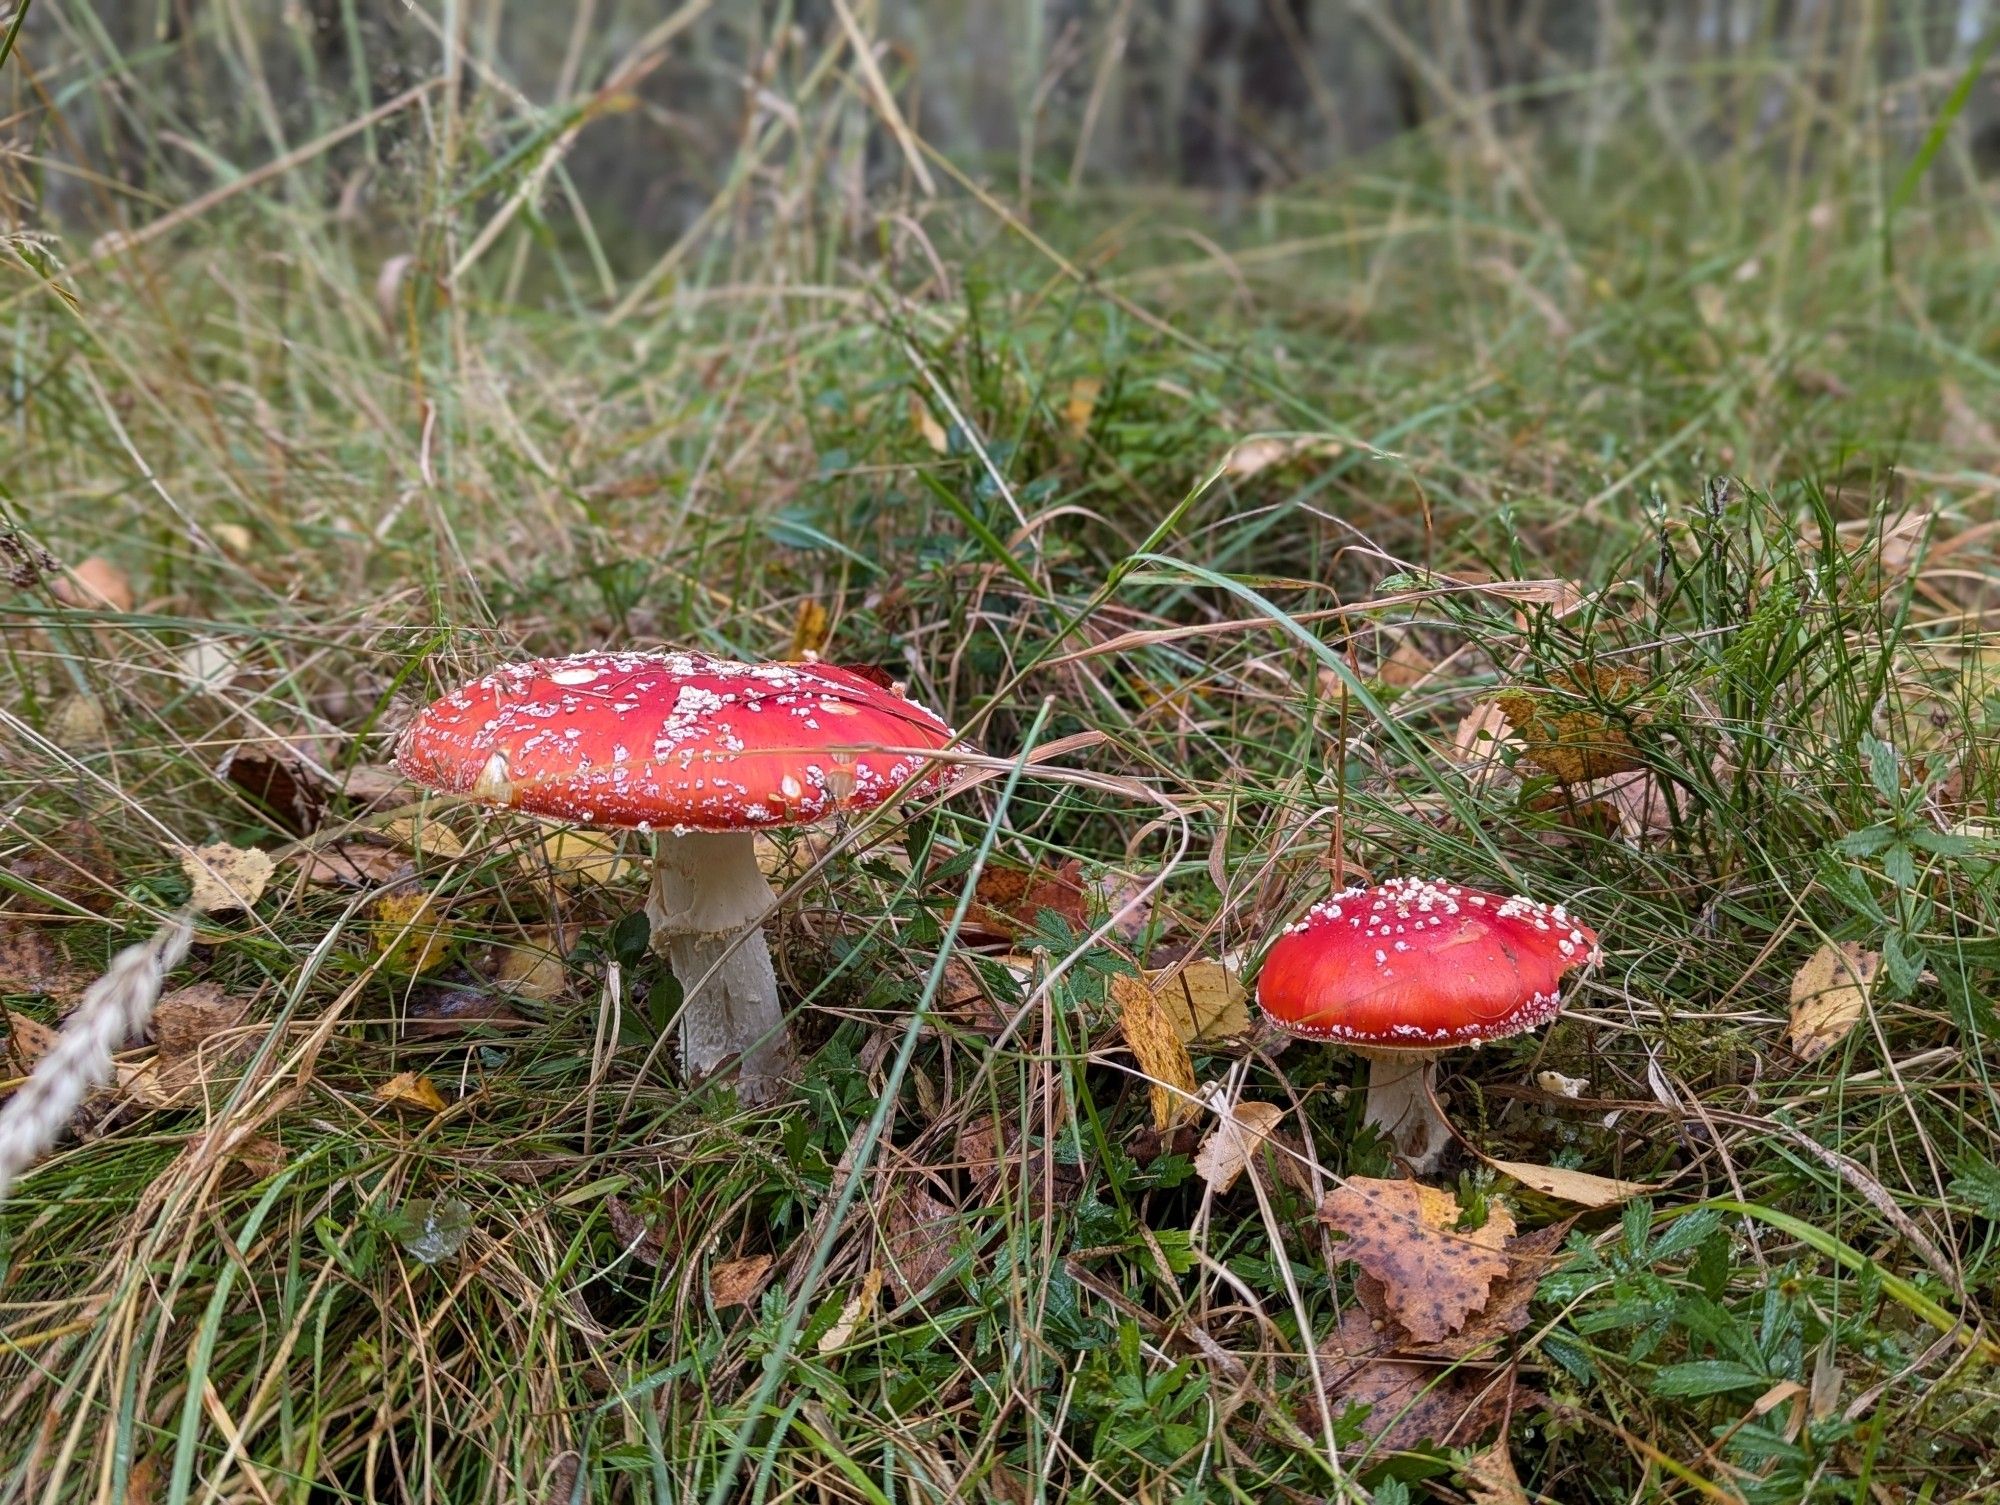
column 1567, row 736
column 209, row 665
column 1009, row 900
column 78, row 723
column 1253, row 456
column 1637, row 801
column 280, row 778
column 575, row 858
column 409, row 933
column 28, row 1040
column 919, row 1232
column 95, row 585
column 1829, row 996
column 369, row 784
column 964, row 999
column 235, row 538
column 1204, row 999
column 1579, row 1187
column 75, row 865
column 225, row 877
column 1157, row 1046
column 1404, row 1234
column 1490, row 1478
column 857, row 1310
column 737, row 1282
column 532, row 967
column 444, row 1012
column 32, row 963
column 809, row 631
column 1411, row 1401
column 1483, row 735
column 1233, row 1143
column 925, row 423
column 1407, row 666
column 259, row 1154
column 989, row 1152
column 142, row 1485
column 636, row 1235
column 190, row 1029
column 352, row 864
column 410, row 1089
column 1080, row 405
column 1507, row 1304
column 427, row 838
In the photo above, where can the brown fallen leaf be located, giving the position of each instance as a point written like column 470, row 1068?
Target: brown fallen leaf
column 1403, row 1233
column 1566, row 735
column 369, row 784
column 1411, row 1401
column 94, row 585
column 1157, row 1047
column 1204, row 999
column 531, row 967
column 410, row 1089
column 989, row 1155
column 738, row 1282
column 1529, row 1258
column 636, row 1235
column 351, row 864
column 1490, row 1478
column 282, row 778
column 76, row 865
column 445, row 1012
column 28, row 1040
column 925, row 423
column 32, row 963
column 409, row 933
column 225, row 877
column 1009, row 900
column 1233, row 1143
column 195, row 1031
column 1829, row 996
column 1406, row 666
column 919, row 1232
column 78, row 723
column 857, row 1310
column 1579, row 1187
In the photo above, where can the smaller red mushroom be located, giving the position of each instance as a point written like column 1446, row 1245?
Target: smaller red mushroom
column 1405, row 971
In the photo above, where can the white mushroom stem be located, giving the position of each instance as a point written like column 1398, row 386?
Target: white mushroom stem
column 707, row 891
column 1402, row 1105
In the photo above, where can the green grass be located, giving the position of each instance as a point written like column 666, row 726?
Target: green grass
column 1685, row 379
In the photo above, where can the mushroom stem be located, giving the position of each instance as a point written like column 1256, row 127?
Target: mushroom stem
column 1402, row 1105
column 707, row 890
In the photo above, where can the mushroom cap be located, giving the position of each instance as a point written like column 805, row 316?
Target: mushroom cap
column 673, row 741
column 1421, row 965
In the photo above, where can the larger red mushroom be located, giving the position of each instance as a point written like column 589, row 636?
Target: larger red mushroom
column 704, row 752
column 1403, row 972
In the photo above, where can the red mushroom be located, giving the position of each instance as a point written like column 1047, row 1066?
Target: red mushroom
column 1406, row 971
column 704, row 752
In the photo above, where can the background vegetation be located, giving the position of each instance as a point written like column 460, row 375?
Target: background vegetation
column 1233, row 398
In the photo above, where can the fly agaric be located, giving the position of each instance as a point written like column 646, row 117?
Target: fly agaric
column 704, row 752
column 1403, row 972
